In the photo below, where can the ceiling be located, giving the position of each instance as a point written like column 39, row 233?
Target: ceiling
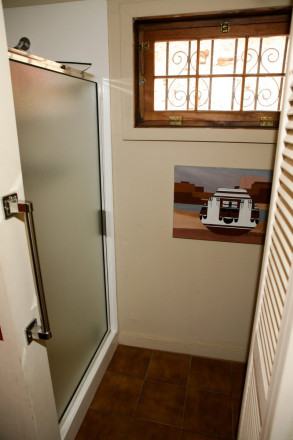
column 19, row 3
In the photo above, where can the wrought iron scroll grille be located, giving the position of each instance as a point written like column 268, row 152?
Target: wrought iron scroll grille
column 237, row 74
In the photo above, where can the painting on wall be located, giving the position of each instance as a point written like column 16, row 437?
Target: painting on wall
column 221, row 204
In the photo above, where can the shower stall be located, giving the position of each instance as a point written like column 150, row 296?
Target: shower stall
column 65, row 173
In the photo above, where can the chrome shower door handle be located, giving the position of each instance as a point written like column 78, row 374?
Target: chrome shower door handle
column 13, row 207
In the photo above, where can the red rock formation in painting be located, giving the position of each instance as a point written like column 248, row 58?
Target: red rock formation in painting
column 185, row 192
column 260, row 192
column 246, row 182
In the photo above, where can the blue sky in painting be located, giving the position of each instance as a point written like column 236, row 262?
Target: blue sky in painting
column 213, row 178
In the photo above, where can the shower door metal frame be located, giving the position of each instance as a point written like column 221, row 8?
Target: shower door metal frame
column 73, row 415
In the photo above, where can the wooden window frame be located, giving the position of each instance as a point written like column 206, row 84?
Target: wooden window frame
column 244, row 24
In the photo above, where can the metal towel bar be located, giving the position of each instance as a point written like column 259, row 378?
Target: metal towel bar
column 12, row 207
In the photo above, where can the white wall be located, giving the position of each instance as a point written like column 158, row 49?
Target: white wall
column 183, row 295
column 73, row 31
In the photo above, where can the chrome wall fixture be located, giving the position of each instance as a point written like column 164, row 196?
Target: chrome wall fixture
column 23, row 44
column 12, row 207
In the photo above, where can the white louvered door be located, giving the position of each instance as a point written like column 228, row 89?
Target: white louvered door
column 271, row 332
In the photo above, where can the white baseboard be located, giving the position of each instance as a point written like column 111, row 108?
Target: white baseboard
column 195, row 348
column 77, row 409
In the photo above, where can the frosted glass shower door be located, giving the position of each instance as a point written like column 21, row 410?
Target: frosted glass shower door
column 57, row 123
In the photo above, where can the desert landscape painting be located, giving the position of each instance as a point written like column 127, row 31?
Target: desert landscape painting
column 221, row 204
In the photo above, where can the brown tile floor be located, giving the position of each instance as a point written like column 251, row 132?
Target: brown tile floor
column 154, row 395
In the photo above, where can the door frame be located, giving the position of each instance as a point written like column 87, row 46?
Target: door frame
column 26, row 368
column 270, row 409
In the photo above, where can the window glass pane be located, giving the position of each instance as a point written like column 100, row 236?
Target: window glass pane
column 249, row 93
column 262, row 93
column 193, row 57
column 224, row 54
column 252, row 55
column 160, row 94
column 177, row 94
column 272, row 56
column 178, row 58
column 205, row 57
column 222, row 93
column 240, row 55
column 203, row 93
column 236, row 97
column 191, row 91
column 268, row 93
column 160, row 59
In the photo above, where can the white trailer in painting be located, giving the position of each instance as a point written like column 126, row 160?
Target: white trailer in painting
column 230, row 211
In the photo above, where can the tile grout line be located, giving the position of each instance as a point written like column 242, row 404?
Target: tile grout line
column 232, row 412
column 147, row 370
column 134, row 412
column 185, row 400
column 129, row 376
column 166, row 383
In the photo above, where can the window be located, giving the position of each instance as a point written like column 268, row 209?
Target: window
column 211, row 71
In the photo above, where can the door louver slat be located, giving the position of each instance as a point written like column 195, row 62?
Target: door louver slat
column 288, row 220
column 284, row 194
column 287, row 182
column 289, row 138
column 270, row 326
column 278, row 280
column 273, row 321
column 282, row 232
column 263, row 349
column 252, row 422
column 276, row 290
column 278, row 245
column 281, row 269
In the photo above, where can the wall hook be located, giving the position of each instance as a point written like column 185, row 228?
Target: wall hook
column 23, row 44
